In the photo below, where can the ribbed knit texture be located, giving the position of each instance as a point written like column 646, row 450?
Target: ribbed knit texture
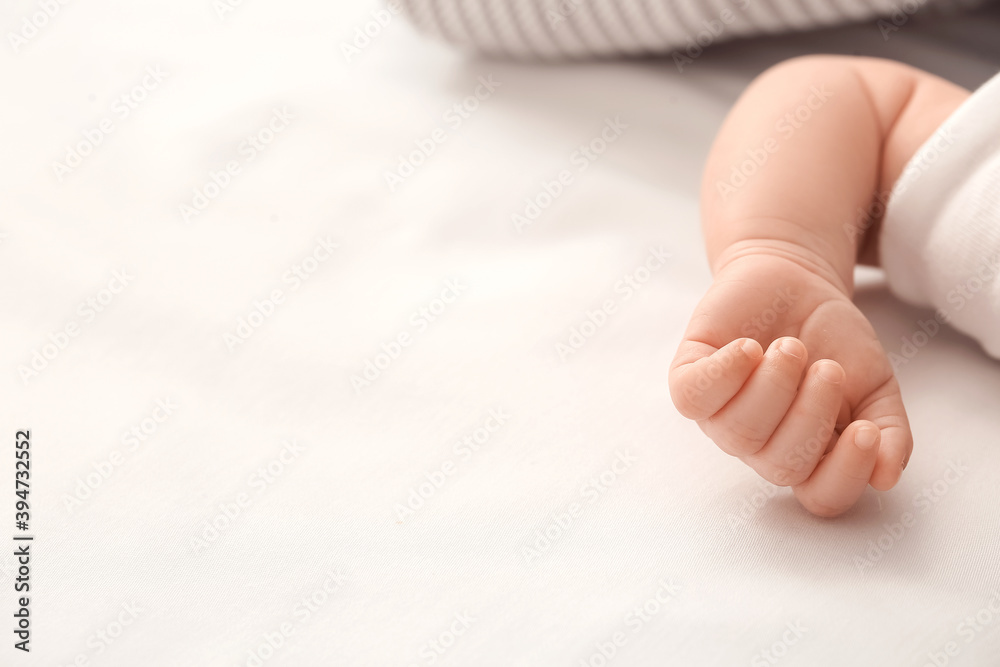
column 554, row 29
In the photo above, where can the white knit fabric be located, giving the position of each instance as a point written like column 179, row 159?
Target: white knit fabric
column 580, row 28
column 940, row 241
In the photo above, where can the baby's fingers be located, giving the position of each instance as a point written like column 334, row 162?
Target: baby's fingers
column 800, row 441
column 842, row 476
column 748, row 420
column 700, row 387
column 885, row 409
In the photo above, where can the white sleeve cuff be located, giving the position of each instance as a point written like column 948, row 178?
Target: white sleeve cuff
column 940, row 240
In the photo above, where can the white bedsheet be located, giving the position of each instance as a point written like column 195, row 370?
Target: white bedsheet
column 148, row 425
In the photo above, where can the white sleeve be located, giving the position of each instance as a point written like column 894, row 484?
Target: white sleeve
column 940, row 240
column 581, row 28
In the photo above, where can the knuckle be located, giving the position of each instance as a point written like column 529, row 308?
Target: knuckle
column 785, row 374
column 855, row 477
column 786, row 475
column 806, row 453
column 741, row 437
column 689, row 404
column 785, row 381
column 690, row 399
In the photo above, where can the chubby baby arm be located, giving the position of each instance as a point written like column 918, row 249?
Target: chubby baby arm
column 777, row 365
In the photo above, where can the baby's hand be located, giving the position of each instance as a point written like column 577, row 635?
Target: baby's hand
column 820, row 409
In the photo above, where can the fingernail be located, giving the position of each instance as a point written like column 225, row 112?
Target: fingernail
column 748, row 346
column 830, row 371
column 790, row 347
column 865, row 437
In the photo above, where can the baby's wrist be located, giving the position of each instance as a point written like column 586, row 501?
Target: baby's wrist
column 834, row 265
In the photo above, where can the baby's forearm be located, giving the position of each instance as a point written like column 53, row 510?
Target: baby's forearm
column 802, row 156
